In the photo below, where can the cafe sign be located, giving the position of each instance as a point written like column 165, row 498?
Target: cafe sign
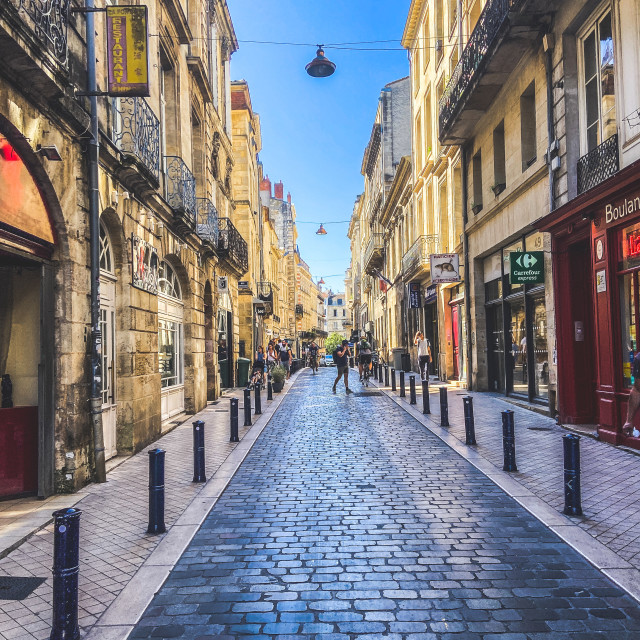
column 127, row 51
column 619, row 210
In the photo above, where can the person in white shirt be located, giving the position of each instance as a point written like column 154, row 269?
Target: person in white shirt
column 424, row 354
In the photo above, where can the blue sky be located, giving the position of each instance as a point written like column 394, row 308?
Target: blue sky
column 314, row 131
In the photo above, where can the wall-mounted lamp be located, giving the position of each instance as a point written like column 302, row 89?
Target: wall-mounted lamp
column 50, row 152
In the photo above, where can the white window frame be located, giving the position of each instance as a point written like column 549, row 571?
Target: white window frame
column 587, row 29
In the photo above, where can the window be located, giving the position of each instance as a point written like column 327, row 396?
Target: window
column 197, row 154
column 499, row 170
column 419, row 156
column 335, row 313
column 528, row 126
column 598, row 83
column 213, row 61
column 443, row 206
column 476, row 205
column 425, row 43
column 168, row 106
column 453, row 15
column 439, row 19
column 170, row 351
column 106, row 255
column 168, row 284
column 428, row 134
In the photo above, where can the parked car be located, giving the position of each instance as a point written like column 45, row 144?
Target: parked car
column 322, row 362
column 328, row 360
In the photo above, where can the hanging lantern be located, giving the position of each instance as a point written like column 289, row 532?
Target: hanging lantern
column 320, row 66
column 321, row 281
column 321, row 231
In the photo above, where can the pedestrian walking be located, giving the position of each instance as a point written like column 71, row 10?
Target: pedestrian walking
column 285, row 357
column 341, row 357
column 272, row 356
column 424, row 354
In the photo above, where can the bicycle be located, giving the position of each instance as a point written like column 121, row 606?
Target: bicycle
column 366, row 375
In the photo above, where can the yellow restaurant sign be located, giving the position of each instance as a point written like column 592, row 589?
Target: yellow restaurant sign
column 127, row 51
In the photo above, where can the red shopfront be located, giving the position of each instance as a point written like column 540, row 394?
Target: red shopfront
column 596, row 276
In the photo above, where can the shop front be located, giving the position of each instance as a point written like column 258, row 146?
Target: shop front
column 596, row 257
column 27, row 246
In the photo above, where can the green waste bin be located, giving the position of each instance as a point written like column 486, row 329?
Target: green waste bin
column 243, row 371
column 224, row 373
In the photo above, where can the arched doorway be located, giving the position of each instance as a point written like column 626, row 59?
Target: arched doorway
column 108, row 330
column 170, row 341
column 209, row 340
column 27, row 345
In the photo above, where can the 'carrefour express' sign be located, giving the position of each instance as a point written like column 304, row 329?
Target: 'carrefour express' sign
column 527, row 268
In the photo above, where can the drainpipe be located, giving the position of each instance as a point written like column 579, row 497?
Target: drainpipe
column 460, row 34
column 94, row 251
column 467, row 271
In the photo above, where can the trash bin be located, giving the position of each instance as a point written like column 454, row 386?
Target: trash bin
column 243, row 371
column 224, row 373
column 396, row 358
column 406, row 362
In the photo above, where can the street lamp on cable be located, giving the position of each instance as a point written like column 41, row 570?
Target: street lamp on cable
column 321, row 231
column 320, row 66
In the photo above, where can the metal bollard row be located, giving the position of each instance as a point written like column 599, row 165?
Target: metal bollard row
column 156, row 491
column 403, row 393
column 444, row 407
column 269, row 388
column 412, row 390
column 509, row 441
column 426, row 407
column 386, row 376
column 393, row 379
column 572, row 492
column 469, row 421
column 258, row 401
column 198, row 452
column 233, row 420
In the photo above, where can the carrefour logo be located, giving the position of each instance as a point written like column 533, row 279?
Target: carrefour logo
column 526, row 260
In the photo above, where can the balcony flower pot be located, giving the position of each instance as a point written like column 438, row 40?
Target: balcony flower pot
column 498, row 188
column 476, row 208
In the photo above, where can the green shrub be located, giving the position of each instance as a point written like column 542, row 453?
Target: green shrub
column 333, row 342
column 278, row 374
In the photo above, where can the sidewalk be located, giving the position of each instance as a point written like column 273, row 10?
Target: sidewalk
column 114, row 544
column 610, row 499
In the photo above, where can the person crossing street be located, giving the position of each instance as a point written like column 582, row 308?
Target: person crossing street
column 341, row 357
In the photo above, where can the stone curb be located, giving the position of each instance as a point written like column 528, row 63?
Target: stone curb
column 120, row 618
column 600, row 556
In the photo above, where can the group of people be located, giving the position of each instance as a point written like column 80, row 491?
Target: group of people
column 278, row 353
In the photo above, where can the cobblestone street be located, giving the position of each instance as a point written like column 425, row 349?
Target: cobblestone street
column 349, row 519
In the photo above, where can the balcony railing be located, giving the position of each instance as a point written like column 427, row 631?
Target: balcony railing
column 137, row 133
column 417, row 258
column 180, row 187
column 299, row 310
column 374, row 253
column 207, row 226
column 232, row 246
column 474, row 59
column 598, row 165
column 50, row 22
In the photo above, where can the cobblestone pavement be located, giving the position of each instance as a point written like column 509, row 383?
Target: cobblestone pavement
column 349, row 520
column 610, row 496
column 114, row 544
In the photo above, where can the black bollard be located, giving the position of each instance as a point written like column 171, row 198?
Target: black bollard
column 233, row 420
column 375, row 371
column 572, row 496
column 156, row 491
column 403, row 392
column 386, row 376
column 469, row 421
column 247, row 407
column 426, row 408
column 444, row 407
column 393, row 379
column 258, row 402
column 509, row 441
column 198, row 452
column 66, row 567
column 381, row 373
column 412, row 390
column 269, row 389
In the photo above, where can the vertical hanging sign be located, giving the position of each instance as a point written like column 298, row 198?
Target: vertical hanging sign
column 127, row 50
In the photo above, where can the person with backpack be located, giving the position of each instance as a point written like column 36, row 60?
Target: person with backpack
column 364, row 356
column 341, row 358
column 285, row 357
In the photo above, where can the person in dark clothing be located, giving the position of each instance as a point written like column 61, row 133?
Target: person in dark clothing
column 342, row 363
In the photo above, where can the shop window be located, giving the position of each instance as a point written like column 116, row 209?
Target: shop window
column 528, row 126
column 598, row 83
column 540, row 348
column 516, row 247
column 168, row 283
column 170, row 349
column 518, row 347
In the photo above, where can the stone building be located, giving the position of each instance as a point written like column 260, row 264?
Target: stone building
column 169, row 323
column 336, row 314
column 432, row 36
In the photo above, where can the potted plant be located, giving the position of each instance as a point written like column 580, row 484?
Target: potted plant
column 476, row 207
column 498, row 188
column 278, row 374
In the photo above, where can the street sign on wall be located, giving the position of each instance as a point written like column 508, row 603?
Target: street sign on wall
column 127, row 50
column 526, row 267
column 445, row 267
column 414, row 295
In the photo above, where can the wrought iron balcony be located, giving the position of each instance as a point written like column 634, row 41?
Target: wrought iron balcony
column 232, row 246
column 417, row 259
column 136, row 133
column 491, row 54
column 598, row 165
column 180, row 188
column 374, row 253
column 299, row 310
column 49, row 20
column 207, row 225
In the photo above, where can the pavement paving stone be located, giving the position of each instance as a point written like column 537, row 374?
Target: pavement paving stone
column 356, row 485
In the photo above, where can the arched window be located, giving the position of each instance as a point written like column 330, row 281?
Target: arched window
column 168, row 284
column 106, row 254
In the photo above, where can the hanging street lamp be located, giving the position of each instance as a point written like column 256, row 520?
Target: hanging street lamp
column 321, row 231
column 320, row 66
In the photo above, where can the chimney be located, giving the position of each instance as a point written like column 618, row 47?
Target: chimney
column 278, row 190
column 265, row 185
column 289, row 197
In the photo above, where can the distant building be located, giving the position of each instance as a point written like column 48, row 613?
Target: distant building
column 337, row 316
